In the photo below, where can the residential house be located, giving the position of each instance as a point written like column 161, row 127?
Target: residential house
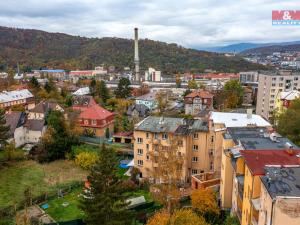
column 16, row 120
column 138, row 111
column 197, row 101
column 57, row 74
column 24, row 131
column 20, row 97
column 96, row 120
column 40, row 111
column 284, row 100
column 152, row 75
column 148, row 100
column 34, row 130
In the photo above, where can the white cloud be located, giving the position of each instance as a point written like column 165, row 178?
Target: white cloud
column 189, row 23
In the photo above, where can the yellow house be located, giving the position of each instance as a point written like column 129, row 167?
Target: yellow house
column 246, row 194
column 280, row 196
column 283, row 100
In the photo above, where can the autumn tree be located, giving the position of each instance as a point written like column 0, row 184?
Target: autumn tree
column 178, row 81
column 179, row 217
column 288, row 123
column 204, row 202
column 162, row 101
column 192, row 84
column 123, row 90
column 4, row 129
column 168, row 173
column 102, row 91
column 234, row 90
column 104, row 203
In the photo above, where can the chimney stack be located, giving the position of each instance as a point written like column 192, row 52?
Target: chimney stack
column 249, row 113
column 136, row 55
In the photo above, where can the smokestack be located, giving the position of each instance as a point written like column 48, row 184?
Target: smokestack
column 136, row 55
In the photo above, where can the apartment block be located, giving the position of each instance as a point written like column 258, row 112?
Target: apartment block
column 193, row 143
column 246, row 151
column 270, row 85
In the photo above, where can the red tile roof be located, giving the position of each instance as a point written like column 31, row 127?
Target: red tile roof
column 258, row 159
column 81, row 72
column 95, row 112
column 200, row 93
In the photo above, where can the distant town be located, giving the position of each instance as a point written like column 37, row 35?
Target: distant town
column 137, row 146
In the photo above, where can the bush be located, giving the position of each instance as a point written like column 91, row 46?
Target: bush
column 129, row 185
column 86, row 159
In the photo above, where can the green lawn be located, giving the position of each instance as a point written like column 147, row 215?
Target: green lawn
column 64, row 213
column 41, row 178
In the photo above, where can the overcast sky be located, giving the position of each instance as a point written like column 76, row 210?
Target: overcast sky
column 190, row 23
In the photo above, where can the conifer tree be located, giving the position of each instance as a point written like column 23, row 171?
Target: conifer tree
column 104, row 204
column 4, row 129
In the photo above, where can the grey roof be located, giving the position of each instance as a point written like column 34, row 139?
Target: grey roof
column 14, row 120
column 282, row 181
column 147, row 97
column 142, row 110
column 252, row 138
column 44, row 107
column 168, row 124
column 83, row 100
column 35, row 125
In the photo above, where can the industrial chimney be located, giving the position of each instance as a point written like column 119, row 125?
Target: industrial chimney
column 136, row 55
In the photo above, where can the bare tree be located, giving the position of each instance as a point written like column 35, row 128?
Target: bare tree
column 167, row 172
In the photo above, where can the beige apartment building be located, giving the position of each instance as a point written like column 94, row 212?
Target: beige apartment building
column 270, row 85
column 194, row 144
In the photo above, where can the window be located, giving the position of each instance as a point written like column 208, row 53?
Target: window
column 272, row 96
column 165, row 148
column 140, row 163
column 281, row 78
column 281, row 85
column 147, row 146
column 147, row 157
column 212, row 138
column 273, row 85
column 274, row 78
column 164, row 136
column 86, row 122
column 147, row 135
column 139, row 140
column 194, row 171
column 211, row 165
column 180, row 143
column 140, row 151
column 195, row 135
column 272, row 90
column 195, row 159
column 295, row 78
column 195, row 147
column 155, row 135
column 94, row 122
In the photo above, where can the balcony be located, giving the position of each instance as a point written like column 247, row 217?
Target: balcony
column 156, row 141
column 204, row 180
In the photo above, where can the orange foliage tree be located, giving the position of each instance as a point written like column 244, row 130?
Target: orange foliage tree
column 205, row 201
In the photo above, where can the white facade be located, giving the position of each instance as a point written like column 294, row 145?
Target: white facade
column 152, row 75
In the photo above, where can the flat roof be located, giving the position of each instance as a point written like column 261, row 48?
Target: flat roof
column 252, row 138
column 238, row 119
column 284, row 181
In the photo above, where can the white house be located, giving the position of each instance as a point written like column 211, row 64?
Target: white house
column 148, row 100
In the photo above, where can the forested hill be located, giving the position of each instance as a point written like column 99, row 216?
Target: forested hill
column 38, row 49
column 268, row 50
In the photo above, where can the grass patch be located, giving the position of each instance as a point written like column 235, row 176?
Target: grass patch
column 71, row 212
column 41, row 178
